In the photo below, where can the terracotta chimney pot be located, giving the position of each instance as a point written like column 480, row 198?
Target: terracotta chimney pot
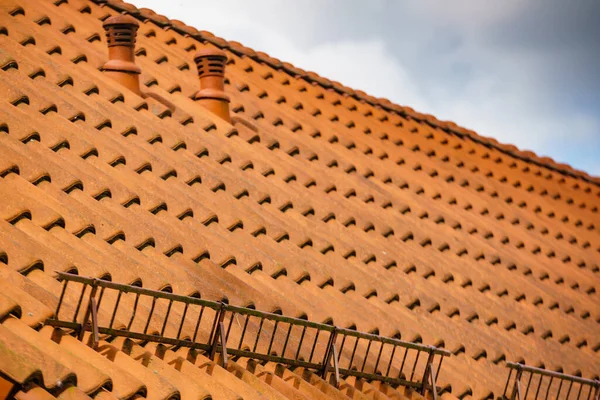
column 121, row 32
column 211, row 72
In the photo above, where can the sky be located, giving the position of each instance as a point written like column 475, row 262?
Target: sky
column 523, row 72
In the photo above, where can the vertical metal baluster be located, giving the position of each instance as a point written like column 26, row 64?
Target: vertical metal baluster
column 272, row 337
column 387, row 372
column 437, row 373
column 589, row 396
column 353, row 353
column 150, row 315
column 516, row 392
column 569, row 391
column 60, row 299
column 100, row 297
column 539, row 386
column 415, row 365
column 262, row 320
column 528, row 384
column 86, row 315
column 378, row 358
column 329, row 350
column 362, row 368
column 182, row 320
column 114, row 314
column 507, row 382
column 162, row 331
column 580, row 389
column 287, row 338
column 342, row 347
column 214, row 328
column 233, row 315
column 312, row 352
column 198, row 324
column 300, row 344
column 79, row 302
column 559, row 389
column 427, row 374
column 403, row 361
column 548, row 389
column 135, row 305
column 244, row 332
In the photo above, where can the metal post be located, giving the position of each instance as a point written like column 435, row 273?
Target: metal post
column 214, row 337
column 336, row 369
column 95, row 334
column 328, row 352
column 517, row 388
column 433, row 384
column 88, row 311
column 223, row 346
column 428, row 367
column 597, row 392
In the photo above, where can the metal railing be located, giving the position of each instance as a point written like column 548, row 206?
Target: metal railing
column 541, row 383
column 106, row 308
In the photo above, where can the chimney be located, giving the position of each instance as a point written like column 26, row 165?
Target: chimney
column 120, row 35
column 211, row 71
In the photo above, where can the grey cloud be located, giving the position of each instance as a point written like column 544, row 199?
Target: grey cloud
column 524, row 72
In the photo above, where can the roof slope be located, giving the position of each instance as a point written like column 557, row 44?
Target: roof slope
column 335, row 207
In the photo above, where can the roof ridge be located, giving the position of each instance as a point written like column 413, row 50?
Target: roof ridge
column 449, row 127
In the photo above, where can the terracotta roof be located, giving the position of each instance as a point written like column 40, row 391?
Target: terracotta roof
column 319, row 202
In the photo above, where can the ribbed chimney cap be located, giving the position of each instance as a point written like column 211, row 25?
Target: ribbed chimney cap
column 121, row 20
column 210, row 52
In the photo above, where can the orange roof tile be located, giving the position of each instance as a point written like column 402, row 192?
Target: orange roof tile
column 318, row 202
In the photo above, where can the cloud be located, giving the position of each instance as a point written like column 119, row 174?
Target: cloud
column 522, row 72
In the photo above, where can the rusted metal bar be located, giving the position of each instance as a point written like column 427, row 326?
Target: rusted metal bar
column 548, row 388
column 114, row 314
column 300, row 344
column 507, row 383
column 353, row 353
column 287, row 339
column 244, row 332
column 95, row 333
column 217, row 329
column 403, row 361
column 378, row 357
column 88, row 310
column 328, row 353
column 182, row 320
column 60, row 299
column 387, row 372
column 135, row 305
column 198, row 321
column 414, row 368
column 229, row 326
column 272, row 337
column 223, row 346
column 76, row 313
column 162, row 331
column 262, row 321
column 336, row 369
column 528, row 385
column 362, row 368
column 426, row 373
column 517, row 387
column 312, row 351
column 432, row 378
column 150, row 315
